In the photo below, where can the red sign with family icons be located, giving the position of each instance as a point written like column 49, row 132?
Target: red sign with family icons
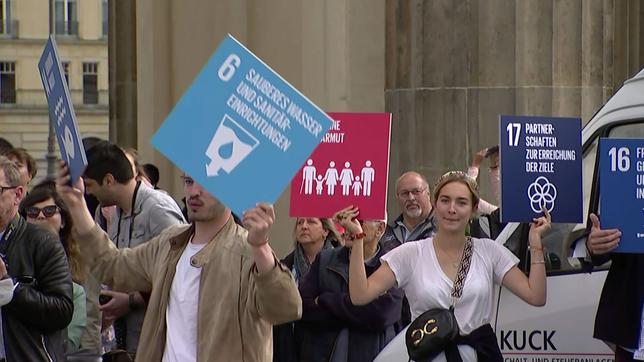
column 349, row 167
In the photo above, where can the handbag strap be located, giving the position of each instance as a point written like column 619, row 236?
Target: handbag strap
column 463, row 269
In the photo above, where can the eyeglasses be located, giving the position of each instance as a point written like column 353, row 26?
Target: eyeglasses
column 404, row 194
column 3, row 188
column 48, row 211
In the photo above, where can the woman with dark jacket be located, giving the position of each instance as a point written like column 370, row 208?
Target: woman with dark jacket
column 311, row 235
column 332, row 328
column 44, row 207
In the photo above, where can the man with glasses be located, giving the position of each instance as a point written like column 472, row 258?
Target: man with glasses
column 33, row 322
column 415, row 220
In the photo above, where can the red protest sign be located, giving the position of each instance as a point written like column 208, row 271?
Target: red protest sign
column 349, row 167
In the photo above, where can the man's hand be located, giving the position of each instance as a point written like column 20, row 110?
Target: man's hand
column 74, row 198
column 117, row 307
column 3, row 269
column 601, row 241
column 258, row 221
column 74, row 195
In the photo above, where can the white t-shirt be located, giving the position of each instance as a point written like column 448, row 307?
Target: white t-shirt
column 181, row 315
column 426, row 286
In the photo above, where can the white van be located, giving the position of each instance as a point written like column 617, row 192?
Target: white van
column 562, row 330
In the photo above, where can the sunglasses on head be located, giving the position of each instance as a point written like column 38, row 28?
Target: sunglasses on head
column 48, row 211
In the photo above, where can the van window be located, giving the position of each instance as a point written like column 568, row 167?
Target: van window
column 630, row 130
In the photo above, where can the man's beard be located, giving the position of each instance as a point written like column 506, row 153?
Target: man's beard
column 205, row 213
column 413, row 213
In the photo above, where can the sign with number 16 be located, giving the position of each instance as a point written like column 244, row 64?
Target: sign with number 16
column 621, row 191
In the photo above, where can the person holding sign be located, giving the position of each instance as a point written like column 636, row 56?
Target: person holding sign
column 215, row 287
column 332, row 328
column 426, row 270
column 619, row 319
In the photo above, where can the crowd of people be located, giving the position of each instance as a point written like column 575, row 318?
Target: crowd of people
column 112, row 268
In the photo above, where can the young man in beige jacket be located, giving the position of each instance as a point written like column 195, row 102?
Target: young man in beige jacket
column 215, row 287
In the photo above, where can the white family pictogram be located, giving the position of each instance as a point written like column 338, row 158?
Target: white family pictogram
column 359, row 183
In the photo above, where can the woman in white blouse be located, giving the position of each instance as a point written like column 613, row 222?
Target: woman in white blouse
column 426, row 269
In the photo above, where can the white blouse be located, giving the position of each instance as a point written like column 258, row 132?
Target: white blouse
column 426, row 286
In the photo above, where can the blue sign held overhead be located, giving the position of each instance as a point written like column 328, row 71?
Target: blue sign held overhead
column 621, row 191
column 540, row 167
column 61, row 110
column 240, row 129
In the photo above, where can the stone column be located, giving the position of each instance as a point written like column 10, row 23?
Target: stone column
column 122, row 55
column 452, row 67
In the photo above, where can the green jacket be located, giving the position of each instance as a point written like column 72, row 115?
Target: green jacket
column 79, row 318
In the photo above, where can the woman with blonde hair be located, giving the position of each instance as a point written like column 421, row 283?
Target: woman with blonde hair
column 427, row 269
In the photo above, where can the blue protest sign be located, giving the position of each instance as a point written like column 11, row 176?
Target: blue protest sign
column 61, row 110
column 540, row 166
column 240, row 129
column 621, row 190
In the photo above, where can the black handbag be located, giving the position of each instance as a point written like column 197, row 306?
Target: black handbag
column 431, row 332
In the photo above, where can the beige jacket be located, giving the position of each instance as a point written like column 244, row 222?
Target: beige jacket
column 236, row 304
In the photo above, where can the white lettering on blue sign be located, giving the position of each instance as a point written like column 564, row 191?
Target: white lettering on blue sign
column 45, row 83
column 539, row 141
column 49, row 62
column 550, row 155
column 254, row 119
column 266, row 88
column 539, row 128
column 228, row 68
column 60, row 111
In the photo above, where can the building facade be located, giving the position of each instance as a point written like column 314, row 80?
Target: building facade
column 80, row 28
column 445, row 69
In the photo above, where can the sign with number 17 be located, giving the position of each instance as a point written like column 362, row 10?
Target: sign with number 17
column 621, row 190
column 540, row 168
